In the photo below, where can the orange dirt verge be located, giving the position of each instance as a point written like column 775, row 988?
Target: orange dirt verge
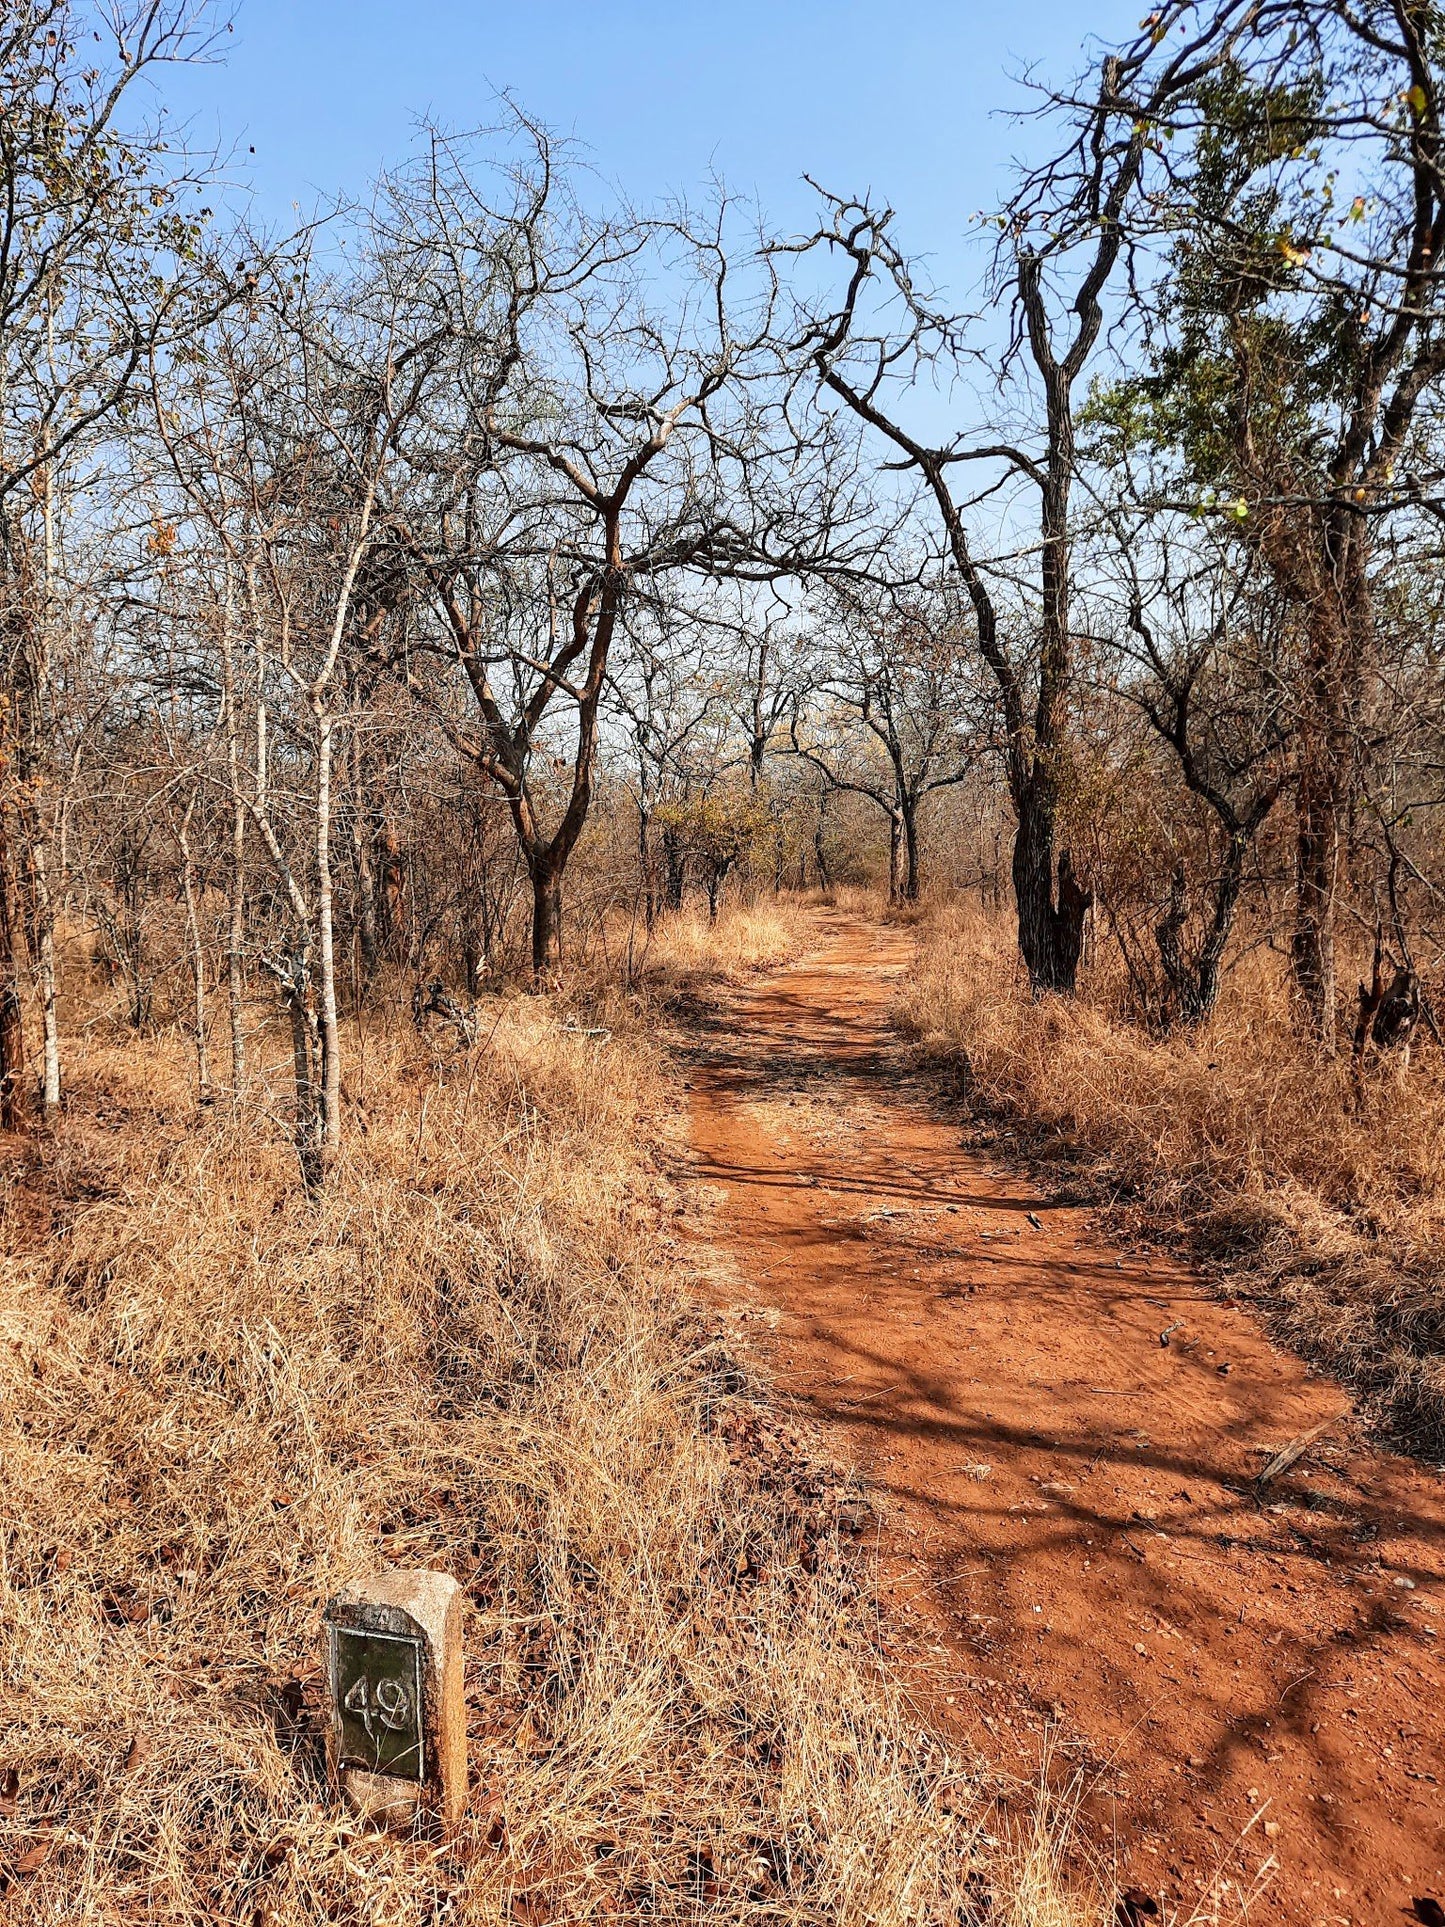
column 1070, row 1534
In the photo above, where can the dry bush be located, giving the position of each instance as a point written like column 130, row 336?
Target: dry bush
column 218, row 1404
column 1335, row 1207
column 687, row 952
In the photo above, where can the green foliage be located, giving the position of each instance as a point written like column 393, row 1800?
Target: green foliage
column 1260, row 331
column 721, row 828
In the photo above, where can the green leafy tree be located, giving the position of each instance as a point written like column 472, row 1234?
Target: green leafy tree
column 1296, row 346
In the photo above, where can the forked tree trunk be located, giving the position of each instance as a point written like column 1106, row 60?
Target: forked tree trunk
column 1194, row 982
column 646, row 870
column 236, row 879
column 236, row 918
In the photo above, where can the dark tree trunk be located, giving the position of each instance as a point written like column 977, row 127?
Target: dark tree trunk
column 646, row 872
column 894, row 841
column 1194, row 985
column 546, row 918
column 910, row 853
column 1317, row 855
column 1051, row 929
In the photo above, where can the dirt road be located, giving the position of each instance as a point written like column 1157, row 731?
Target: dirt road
column 1069, row 1535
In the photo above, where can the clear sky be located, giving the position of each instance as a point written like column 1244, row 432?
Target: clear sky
column 903, row 99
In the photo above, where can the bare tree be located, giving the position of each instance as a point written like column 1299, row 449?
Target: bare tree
column 96, row 248
column 892, row 712
column 1062, row 240
column 1209, row 653
column 593, row 444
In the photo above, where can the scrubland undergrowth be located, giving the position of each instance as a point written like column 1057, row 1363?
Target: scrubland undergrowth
column 220, row 1402
column 687, row 952
column 1330, row 1206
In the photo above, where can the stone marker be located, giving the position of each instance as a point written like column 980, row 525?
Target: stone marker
column 397, row 1743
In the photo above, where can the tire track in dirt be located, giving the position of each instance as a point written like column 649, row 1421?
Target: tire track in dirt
column 1070, row 1535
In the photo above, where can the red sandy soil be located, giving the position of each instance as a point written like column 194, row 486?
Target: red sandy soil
column 1070, row 1534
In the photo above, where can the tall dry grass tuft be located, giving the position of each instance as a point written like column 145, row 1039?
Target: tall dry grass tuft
column 1335, row 1208
column 687, row 953
column 219, row 1403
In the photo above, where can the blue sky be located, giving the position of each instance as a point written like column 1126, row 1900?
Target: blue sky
column 904, row 100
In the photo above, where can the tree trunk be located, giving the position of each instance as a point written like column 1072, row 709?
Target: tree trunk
column 1051, row 932
column 45, row 974
column 236, row 948
column 893, row 853
column 296, row 989
column 12, row 1029
column 42, row 743
column 910, row 853
column 1195, row 984
column 204, row 1087
column 1326, row 569
column 546, row 919
column 1317, row 855
column 329, row 1106
column 645, row 870
column 236, row 881
column 361, row 847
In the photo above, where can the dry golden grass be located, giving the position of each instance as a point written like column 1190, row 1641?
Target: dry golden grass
column 687, row 952
column 219, row 1403
column 1335, row 1208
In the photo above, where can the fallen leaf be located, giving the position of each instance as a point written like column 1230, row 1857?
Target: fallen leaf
column 137, row 1753
column 1296, row 1449
column 9, row 1792
column 33, row 1859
